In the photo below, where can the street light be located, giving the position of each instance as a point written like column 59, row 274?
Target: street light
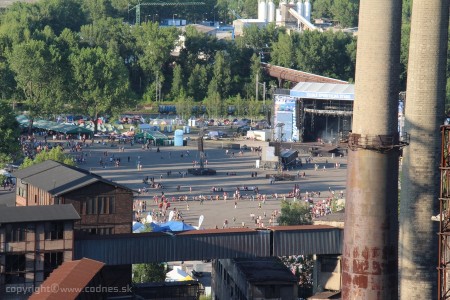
column 173, row 19
column 154, row 17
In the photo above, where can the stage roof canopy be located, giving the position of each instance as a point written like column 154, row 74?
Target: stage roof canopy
column 324, row 91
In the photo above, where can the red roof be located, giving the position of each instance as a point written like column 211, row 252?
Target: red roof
column 68, row 280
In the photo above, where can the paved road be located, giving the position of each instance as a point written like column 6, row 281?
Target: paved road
column 215, row 212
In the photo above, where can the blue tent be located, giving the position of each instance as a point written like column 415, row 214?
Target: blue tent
column 171, row 226
column 138, row 227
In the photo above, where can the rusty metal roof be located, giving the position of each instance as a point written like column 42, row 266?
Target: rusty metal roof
column 68, row 280
column 297, row 76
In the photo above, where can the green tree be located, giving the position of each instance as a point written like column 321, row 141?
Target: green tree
column 346, row 12
column 325, row 53
column 56, row 154
column 37, row 71
column 177, row 82
column 96, row 9
column 283, row 51
column 153, row 47
column 61, row 14
column 254, row 108
column 240, row 104
column 152, row 272
column 9, row 134
column 184, row 105
column 198, row 82
column 213, row 103
column 102, row 85
column 198, row 48
column 221, row 80
column 322, row 9
column 256, row 74
column 7, row 83
column 295, row 213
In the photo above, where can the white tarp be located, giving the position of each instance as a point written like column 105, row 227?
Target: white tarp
column 177, row 274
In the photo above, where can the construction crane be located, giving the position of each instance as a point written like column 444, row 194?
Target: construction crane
column 138, row 7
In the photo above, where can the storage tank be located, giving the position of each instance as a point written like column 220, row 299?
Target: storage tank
column 262, row 10
column 307, row 8
column 270, row 11
column 178, row 138
column 300, row 8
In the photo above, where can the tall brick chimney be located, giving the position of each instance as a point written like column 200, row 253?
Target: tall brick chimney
column 370, row 261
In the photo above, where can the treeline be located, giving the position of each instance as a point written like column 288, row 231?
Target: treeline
column 82, row 56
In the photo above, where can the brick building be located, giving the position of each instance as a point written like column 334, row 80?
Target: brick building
column 34, row 240
column 105, row 207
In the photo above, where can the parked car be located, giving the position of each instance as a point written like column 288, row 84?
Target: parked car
column 244, row 129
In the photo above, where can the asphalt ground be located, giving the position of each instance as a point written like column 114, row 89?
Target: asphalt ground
column 169, row 158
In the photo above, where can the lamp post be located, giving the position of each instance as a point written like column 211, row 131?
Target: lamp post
column 173, row 19
column 154, row 17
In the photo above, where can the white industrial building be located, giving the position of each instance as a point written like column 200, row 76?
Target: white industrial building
column 293, row 14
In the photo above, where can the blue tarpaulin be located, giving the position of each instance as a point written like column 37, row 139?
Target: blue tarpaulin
column 171, row 226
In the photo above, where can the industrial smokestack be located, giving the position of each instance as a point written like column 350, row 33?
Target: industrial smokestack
column 370, row 262
column 425, row 95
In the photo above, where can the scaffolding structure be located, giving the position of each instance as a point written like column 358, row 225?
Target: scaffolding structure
column 444, row 216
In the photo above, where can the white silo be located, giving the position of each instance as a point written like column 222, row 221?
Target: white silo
column 300, row 8
column 262, row 10
column 307, row 10
column 270, row 11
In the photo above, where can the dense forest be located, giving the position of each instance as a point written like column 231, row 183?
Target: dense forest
column 88, row 56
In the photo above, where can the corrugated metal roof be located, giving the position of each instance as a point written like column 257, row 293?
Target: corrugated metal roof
column 68, row 280
column 210, row 244
column 325, row 91
column 58, row 179
column 21, row 214
column 141, row 248
column 318, row 239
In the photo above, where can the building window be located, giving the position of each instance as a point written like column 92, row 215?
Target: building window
column 14, row 268
column 328, row 265
column 15, row 233
column 112, row 205
column 100, row 231
column 100, row 205
column 54, row 231
column 52, row 260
